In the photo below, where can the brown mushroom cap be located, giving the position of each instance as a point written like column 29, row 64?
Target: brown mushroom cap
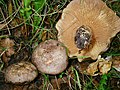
column 22, row 72
column 50, row 57
column 100, row 22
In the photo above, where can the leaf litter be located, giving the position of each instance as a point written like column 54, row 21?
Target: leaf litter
column 68, row 81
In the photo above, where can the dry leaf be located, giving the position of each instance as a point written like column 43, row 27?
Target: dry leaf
column 101, row 66
column 104, row 66
column 6, row 49
column 44, row 35
column 98, row 21
column 18, row 87
column 2, row 26
column 116, row 63
column 93, row 68
column 25, row 30
column 56, row 82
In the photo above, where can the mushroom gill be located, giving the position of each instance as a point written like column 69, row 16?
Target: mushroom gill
column 86, row 27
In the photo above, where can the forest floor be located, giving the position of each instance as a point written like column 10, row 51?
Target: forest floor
column 26, row 23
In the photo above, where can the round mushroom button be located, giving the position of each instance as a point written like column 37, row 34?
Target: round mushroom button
column 22, row 72
column 50, row 57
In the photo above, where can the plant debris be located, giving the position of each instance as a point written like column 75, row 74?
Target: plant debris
column 6, row 49
column 101, row 66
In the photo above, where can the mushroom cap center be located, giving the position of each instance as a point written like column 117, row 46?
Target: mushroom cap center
column 82, row 37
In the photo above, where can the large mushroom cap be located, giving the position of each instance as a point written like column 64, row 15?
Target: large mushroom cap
column 21, row 72
column 86, row 27
column 50, row 57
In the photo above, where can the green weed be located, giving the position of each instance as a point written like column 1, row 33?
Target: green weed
column 103, row 82
column 37, row 8
column 89, row 84
column 46, row 81
column 77, row 79
column 26, row 10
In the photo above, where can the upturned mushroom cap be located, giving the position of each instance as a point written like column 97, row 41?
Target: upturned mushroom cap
column 50, row 57
column 86, row 27
column 22, row 72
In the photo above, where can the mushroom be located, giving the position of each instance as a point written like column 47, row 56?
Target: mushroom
column 86, row 28
column 22, row 72
column 50, row 57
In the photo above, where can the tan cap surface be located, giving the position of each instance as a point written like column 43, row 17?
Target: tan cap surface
column 95, row 14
